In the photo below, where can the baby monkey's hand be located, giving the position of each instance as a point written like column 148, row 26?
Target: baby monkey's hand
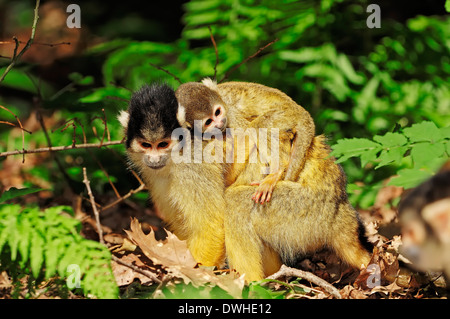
column 265, row 187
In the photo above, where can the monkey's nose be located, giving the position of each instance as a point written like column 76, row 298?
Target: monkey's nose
column 221, row 125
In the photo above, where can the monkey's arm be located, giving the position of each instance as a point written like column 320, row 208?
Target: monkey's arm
column 295, row 126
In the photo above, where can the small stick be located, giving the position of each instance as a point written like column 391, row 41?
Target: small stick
column 168, row 72
column 27, row 46
column 247, row 59
column 94, row 207
column 137, row 269
column 288, row 271
column 61, row 148
column 36, row 43
column 124, row 197
column 217, row 52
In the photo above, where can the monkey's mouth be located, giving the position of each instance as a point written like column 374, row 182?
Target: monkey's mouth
column 153, row 165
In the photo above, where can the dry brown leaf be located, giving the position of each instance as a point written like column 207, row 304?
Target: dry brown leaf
column 173, row 254
column 125, row 275
column 170, row 252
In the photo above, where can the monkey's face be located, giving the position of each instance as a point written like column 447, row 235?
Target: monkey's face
column 149, row 124
column 153, row 153
column 200, row 105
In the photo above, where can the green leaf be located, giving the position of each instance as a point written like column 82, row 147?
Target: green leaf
column 17, row 192
column 409, row 178
column 391, row 139
column 36, row 254
column 343, row 63
column 424, row 153
column 24, row 81
column 447, row 5
column 391, row 156
column 346, row 148
column 445, row 132
column 423, row 132
column 100, row 94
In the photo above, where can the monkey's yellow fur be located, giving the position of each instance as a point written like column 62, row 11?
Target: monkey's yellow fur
column 302, row 217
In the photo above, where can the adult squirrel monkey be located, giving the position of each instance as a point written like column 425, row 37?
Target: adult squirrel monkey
column 190, row 196
column 250, row 105
column 303, row 217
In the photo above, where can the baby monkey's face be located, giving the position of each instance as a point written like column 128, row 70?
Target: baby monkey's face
column 201, row 107
column 217, row 119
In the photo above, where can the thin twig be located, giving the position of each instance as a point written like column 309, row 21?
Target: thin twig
column 124, row 197
column 16, row 57
column 247, row 59
column 137, row 269
column 94, row 207
column 37, row 43
column 288, row 271
column 21, row 127
column 61, row 148
column 168, row 72
column 16, row 42
column 217, row 52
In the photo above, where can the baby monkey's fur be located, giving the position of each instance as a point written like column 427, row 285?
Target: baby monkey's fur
column 303, row 216
column 251, row 105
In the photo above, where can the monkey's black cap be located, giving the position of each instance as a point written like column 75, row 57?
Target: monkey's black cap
column 153, row 109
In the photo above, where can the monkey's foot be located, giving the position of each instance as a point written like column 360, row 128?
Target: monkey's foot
column 265, row 188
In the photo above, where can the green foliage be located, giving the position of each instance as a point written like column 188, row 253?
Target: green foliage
column 44, row 244
column 415, row 151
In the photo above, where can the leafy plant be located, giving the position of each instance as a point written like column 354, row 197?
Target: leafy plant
column 416, row 151
column 45, row 244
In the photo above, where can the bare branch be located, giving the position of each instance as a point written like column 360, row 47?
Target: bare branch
column 94, row 207
column 124, row 197
column 16, row 57
column 61, row 148
column 137, row 269
column 288, row 271
column 247, row 59
column 37, row 43
column 217, row 52
column 168, row 72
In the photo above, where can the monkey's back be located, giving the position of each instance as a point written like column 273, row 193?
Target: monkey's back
column 255, row 99
column 303, row 216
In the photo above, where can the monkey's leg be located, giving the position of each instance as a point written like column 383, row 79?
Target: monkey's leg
column 199, row 194
column 244, row 247
column 206, row 244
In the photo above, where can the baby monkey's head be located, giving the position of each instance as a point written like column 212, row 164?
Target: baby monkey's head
column 149, row 123
column 201, row 102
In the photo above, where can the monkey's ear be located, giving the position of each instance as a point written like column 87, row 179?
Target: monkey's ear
column 210, row 83
column 124, row 118
column 181, row 115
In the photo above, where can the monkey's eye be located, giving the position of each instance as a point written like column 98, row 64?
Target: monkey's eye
column 217, row 112
column 163, row 145
column 208, row 122
column 146, row 145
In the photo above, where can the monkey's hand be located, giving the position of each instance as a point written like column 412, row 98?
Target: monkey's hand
column 265, row 187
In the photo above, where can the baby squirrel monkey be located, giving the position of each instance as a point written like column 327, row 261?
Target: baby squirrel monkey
column 250, row 105
column 306, row 215
column 190, row 196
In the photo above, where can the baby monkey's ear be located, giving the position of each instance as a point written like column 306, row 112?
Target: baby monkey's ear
column 124, row 118
column 181, row 115
column 208, row 82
